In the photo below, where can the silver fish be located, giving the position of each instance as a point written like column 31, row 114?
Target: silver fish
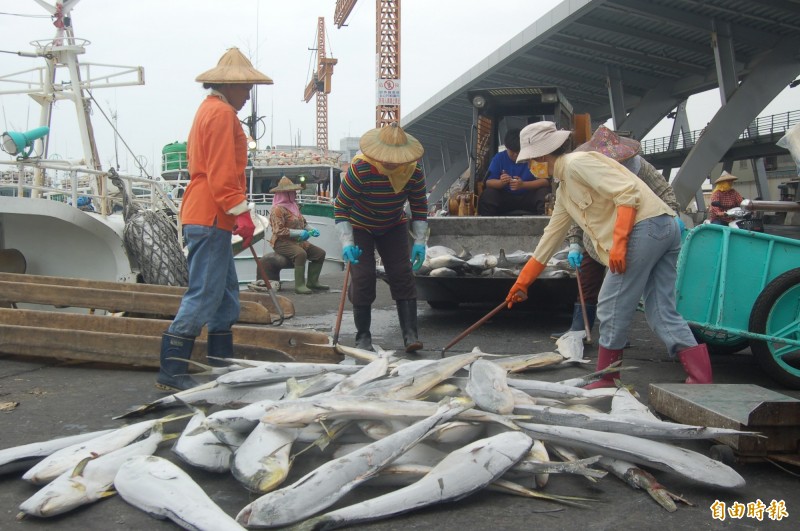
column 447, row 261
column 417, row 383
column 68, row 458
column 687, row 463
column 439, row 250
column 25, row 456
column 488, row 388
column 443, row 272
column 90, row 481
column 293, row 413
column 458, row 475
column 163, row 490
column 372, row 371
column 510, row 260
column 526, row 362
column 457, row 432
column 324, row 486
column 262, row 462
column 200, row 447
column 481, row 262
column 279, row 372
column 538, row 388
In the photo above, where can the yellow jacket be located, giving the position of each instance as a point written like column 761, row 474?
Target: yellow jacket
column 591, row 188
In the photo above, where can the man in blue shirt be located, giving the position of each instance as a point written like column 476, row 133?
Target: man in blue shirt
column 511, row 186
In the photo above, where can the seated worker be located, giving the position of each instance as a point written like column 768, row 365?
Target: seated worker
column 511, row 186
column 726, row 196
column 290, row 233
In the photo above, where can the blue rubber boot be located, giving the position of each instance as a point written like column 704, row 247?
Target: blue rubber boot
column 220, row 345
column 173, row 377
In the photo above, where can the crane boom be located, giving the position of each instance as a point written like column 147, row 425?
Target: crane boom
column 387, row 50
column 320, row 85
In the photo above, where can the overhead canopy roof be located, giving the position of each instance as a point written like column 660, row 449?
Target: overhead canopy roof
column 654, row 53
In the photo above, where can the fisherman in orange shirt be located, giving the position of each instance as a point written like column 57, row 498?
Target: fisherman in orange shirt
column 213, row 207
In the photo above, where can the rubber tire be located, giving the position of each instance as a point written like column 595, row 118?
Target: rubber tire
column 443, row 305
column 717, row 346
column 761, row 317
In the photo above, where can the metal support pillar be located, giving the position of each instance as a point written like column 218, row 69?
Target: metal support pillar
column 616, row 96
column 724, row 59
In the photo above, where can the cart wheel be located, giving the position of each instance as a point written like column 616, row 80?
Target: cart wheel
column 719, row 343
column 443, row 305
column 723, row 453
column 776, row 313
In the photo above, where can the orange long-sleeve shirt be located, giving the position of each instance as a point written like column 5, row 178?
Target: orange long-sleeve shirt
column 217, row 153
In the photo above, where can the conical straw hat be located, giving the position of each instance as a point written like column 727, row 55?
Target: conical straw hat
column 725, row 176
column 234, row 67
column 286, row 185
column 391, row 145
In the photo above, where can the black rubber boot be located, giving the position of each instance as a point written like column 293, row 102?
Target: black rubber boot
column 577, row 320
column 407, row 313
column 172, row 376
column 220, row 345
column 362, row 317
column 314, row 269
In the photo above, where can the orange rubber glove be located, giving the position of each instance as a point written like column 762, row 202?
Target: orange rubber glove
column 529, row 273
column 626, row 218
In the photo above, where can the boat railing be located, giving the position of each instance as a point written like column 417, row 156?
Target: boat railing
column 81, row 187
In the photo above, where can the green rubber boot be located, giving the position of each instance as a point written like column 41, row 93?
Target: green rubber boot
column 314, row 270
column 300, row 281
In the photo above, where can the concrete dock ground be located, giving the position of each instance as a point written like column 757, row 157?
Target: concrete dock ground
column 59, row 398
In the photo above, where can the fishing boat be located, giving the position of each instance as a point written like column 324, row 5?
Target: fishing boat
column 317, row 170
column 70, row 217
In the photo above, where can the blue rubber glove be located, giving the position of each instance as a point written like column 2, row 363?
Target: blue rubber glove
column 304, row 235
column 351, row 253
column 314, row 232
column 417, row 256
column 575, row 256
column 681, row 224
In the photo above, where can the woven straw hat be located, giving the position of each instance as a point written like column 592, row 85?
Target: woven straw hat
column 234, row 67
column 725, row 176
column 610, row 144
column 538, row 139
column 286, row 185
column 391, row 145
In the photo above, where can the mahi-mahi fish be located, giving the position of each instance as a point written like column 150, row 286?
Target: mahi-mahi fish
column 262, row 462
column 488, row 388
column 161, row 489
column 201, row 448
column 275, row 372
column 641, row 451
column 458, row 475
column 325, row 485
column 90, row 481
column 68, row 458
column 24, row 456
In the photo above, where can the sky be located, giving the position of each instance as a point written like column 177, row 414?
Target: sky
column 176, row 40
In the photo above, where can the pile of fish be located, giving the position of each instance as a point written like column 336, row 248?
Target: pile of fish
column 433, row 430
column 441, row 261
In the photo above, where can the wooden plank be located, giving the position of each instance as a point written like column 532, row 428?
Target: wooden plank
column 252, row 342
column 251, row 296
column 114, row 300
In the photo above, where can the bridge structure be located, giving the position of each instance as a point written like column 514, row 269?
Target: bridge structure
column 636, row 62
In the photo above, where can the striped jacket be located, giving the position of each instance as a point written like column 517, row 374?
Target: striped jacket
column 366, row 199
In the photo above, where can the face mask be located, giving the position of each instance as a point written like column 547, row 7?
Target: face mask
column 724, row 186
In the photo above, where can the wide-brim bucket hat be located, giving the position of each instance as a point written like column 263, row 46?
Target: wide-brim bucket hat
column 234, row 67
column 725, row 176
column 391, row 145
column 286, row 185
column 610, row 144
column 539, row 139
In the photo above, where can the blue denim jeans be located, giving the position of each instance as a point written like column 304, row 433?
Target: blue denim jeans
column 212, row 297
column 652, row 254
